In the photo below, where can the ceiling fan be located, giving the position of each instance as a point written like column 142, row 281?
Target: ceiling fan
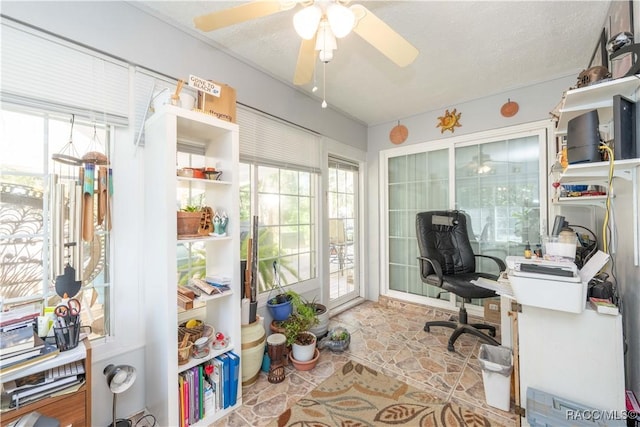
column 319, row 23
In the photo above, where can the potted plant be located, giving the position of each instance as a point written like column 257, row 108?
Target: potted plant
column 280, row 306
column 337, row 339
column 322, row 313
column 297, row 330
column 189, row 221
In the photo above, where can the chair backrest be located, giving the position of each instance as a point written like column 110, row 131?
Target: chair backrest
column 442, row 236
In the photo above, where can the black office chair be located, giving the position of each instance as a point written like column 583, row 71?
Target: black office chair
column 447, row 261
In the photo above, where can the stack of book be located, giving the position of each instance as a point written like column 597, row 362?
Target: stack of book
column 216, row 379
column 27, row 389
column 22, row 347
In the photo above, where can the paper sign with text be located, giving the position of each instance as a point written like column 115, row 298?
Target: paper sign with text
column 205, row 86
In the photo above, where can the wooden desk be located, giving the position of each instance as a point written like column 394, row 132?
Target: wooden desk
column 73, row 409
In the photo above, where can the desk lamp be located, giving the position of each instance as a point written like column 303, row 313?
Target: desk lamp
column 119, row 379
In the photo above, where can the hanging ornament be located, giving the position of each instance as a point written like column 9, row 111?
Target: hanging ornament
column 398, row 134
column 509, row 109
column 449, row 121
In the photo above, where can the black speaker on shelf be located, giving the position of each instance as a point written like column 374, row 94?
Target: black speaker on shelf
column 583, row 138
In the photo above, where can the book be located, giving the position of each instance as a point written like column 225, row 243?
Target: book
column 181, row 400
column 16, row 340
column 10, row 358
column 226, row 380
column 202, row 385
column 49, row 351
column 234, row 374
column 217, row 382
column 57, row 389
column 18, row 315
column 603, row 306
column 28, row 354
column 43, row 377
column 20, row 394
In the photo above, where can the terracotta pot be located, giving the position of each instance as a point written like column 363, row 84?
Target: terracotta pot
column 188, row 223
column 276, row 327
column 305, row 366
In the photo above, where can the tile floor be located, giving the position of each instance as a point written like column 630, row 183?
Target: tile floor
column 387, row 336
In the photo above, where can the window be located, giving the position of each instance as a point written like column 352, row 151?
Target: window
column 35, row 122
column 284, row 201
column 279, row 177
column 27, row 248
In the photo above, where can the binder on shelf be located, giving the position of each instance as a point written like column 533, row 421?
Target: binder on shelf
column 234, row 373
column 226, row 380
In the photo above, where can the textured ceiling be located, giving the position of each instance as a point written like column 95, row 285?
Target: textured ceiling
column 468, row 50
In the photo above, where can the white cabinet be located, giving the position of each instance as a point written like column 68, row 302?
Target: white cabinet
column 167, row 131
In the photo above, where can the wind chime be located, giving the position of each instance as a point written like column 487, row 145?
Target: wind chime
column 72, row 194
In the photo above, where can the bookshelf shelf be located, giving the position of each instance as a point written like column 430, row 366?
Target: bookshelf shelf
column 198, row 361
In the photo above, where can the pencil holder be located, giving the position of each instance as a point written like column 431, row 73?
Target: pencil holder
column 67, row 336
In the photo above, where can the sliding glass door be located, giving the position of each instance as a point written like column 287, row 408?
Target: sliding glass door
column 417, row 182
column 342, row 199
column 496, row 178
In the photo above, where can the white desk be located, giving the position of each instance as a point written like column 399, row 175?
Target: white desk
column 579, row 357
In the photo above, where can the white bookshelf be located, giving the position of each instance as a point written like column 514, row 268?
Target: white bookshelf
column 165, row 129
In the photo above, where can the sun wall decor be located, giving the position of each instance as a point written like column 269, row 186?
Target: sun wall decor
column 449, row 121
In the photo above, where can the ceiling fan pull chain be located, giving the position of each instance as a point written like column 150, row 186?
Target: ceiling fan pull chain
column 324, row 85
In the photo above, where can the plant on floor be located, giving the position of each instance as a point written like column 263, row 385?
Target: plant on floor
column 301, row 320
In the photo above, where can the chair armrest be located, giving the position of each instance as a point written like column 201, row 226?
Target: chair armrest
column 497, row 260
column 436, row 268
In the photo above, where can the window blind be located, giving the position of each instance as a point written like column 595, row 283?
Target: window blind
column 45, row 72
column 267, row 140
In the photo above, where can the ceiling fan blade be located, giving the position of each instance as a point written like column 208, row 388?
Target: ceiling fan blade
column 306, row 62
column 238, row 14
column 377, row 33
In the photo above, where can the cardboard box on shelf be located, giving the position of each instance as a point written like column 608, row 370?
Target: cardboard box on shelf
column 222, row 106
column 492, row 310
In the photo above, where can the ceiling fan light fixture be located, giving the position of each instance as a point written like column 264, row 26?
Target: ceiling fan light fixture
column 341, row 19
column 325, row 42
column 306, row 21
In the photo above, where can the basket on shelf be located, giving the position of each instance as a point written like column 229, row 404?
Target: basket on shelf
column 194, row 332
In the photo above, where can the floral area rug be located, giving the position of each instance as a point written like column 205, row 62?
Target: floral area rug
column 359, row 396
